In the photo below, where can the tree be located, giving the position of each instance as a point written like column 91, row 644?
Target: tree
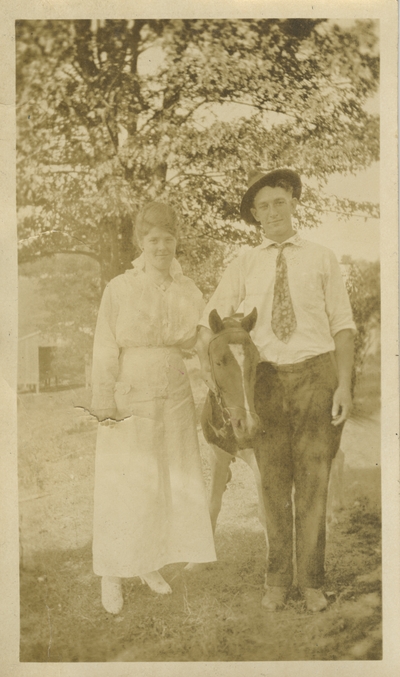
column 99, row 133
column 363, row 286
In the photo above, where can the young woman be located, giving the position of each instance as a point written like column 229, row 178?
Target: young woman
column 150, row 505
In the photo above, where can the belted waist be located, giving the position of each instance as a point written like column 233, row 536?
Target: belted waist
column 299, row 366
column 137, row 349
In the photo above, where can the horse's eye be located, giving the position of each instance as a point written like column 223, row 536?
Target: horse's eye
column 221, row 362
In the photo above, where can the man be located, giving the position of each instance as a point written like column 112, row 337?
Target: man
column 302, row 392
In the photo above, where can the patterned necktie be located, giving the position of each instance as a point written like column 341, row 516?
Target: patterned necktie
column 283, row 319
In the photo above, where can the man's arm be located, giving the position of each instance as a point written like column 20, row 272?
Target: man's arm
column 204, row 337
column 226, row 300
column 344, row 354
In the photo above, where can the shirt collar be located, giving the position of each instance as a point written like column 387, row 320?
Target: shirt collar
column 294, row 239
column 175, row 269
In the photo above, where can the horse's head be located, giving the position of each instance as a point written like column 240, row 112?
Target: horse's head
column 233, row 359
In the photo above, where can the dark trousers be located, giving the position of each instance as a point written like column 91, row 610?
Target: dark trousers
column 295, row 447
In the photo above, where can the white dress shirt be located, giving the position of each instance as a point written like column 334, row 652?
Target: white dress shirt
column 318, row 293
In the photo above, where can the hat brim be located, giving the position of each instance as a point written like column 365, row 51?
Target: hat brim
column 268, row 179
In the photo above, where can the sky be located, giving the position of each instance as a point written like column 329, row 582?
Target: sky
column 356, row 237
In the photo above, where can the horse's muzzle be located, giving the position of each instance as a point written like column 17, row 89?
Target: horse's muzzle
column 245, row 425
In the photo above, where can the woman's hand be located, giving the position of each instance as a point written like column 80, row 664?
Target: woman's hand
column 188, row 344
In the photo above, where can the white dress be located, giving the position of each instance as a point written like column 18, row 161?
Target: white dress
column 150, row 506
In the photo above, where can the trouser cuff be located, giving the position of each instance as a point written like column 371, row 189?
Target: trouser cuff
column 276, row 580
column 310, row 583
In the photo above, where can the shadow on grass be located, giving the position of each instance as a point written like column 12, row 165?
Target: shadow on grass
column 213, row 614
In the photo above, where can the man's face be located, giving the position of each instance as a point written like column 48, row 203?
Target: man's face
column 273, row 209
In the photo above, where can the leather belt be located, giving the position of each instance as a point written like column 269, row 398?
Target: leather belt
column 298, row 366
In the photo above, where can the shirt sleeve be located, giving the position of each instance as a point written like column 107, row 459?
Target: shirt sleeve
column 337, row 303
column 192, row 317
column 198, row 300
column 201, row 305
column 228, row 295
column 105, row 352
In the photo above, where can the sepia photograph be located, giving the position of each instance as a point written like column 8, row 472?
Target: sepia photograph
column 199, row 362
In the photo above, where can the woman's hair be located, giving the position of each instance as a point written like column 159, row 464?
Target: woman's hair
column 155, row 214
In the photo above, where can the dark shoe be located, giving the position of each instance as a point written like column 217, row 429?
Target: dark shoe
column 315, row 600
column 274, row 598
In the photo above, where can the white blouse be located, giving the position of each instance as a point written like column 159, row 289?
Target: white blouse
column 135, row 312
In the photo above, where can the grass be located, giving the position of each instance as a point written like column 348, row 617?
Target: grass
column 367, row 400
column 213, row 614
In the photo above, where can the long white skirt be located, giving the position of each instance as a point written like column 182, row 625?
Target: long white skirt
column 150, row 506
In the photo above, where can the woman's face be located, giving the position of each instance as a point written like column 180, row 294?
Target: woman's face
column 159, row 248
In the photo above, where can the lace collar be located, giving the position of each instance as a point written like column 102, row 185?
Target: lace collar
column 175, row 269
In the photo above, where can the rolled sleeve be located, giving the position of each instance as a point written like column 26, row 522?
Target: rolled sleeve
column 198, row 306
column 337, row 303
column 228, row 295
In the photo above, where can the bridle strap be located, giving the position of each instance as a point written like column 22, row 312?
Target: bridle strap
column 225, row 411
column 228, row 330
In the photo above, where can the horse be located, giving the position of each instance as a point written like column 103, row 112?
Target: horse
column 229, row 420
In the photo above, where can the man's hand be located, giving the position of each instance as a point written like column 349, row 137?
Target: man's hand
column 208, row 379
column 342, row 404
column 344, row 352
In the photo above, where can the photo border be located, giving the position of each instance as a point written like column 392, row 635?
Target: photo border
column 387, row 12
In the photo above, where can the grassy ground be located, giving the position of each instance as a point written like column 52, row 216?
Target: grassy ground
column 214, row 614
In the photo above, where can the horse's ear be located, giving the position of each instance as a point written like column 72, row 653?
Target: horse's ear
column 215, row 321
column 249, row 321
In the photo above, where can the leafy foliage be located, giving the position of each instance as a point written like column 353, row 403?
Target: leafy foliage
column 100, row 131
column 363, row 286
column 113, row 113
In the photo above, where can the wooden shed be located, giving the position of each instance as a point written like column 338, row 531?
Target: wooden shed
column 35, row 356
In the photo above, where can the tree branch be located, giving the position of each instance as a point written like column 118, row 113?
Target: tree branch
column 348, row 214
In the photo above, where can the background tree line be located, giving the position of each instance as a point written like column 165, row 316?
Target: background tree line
column 113, row 113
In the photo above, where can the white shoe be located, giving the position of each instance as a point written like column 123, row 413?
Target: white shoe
column 195, row 566
column 156, row 583
column 111, row 594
